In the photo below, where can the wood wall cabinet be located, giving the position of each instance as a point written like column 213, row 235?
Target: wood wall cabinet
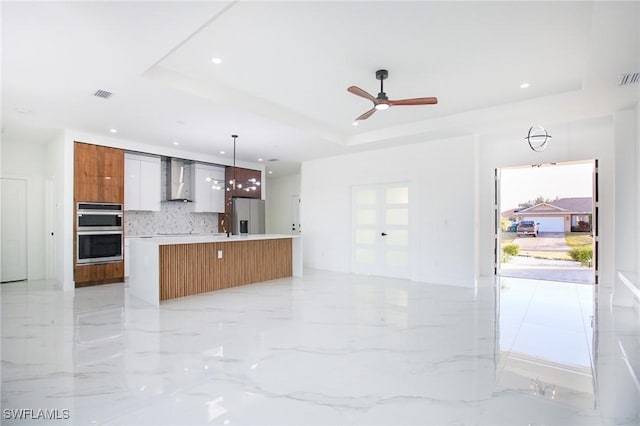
column 98, row 178
column 102, row 273
column 142, row 183
column 241, row 175
column 98, row 174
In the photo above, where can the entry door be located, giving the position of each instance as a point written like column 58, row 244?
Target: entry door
column 380, row 223
column 496, row 222
column 595, row 225
column 14, row 230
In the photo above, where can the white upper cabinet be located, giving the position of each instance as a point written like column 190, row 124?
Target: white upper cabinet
column 209, row 188
column 131, row 184
column 142, row 183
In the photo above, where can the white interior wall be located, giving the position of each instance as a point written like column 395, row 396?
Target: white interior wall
column 625, row 190
column 627, row 244
column 442, row 221
column 27, row 161
column 278, row 204
column 59, row 168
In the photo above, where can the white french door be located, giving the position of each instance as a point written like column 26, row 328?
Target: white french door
column 380, row 224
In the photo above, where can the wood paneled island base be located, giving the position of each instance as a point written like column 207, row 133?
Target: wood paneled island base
column 168, row 268
column 188, row 269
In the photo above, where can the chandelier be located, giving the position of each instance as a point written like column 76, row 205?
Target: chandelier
column 234, row 183
column 537, row 138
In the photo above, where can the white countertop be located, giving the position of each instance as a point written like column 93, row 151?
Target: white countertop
column 163, row 240
column 177, row 234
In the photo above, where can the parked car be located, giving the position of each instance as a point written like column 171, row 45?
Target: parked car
column 527, row 227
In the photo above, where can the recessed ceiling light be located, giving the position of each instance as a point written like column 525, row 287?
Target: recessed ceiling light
column 216, row 60
column 113, row 130
column 176, row 143
column 222, row 152
column 355, row 123
column 259, row 159
column 270, row 172
column 525, row 85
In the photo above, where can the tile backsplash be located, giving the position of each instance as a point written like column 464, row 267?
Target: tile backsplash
column 173, row 218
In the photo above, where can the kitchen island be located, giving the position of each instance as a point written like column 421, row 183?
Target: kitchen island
column 163, row 268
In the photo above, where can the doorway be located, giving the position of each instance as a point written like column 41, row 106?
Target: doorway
column 14, row 229
column 380, row 224
column 546, row 222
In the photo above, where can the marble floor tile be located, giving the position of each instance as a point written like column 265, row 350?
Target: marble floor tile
column 325, row 349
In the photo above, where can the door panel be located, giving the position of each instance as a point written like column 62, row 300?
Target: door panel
column 496, row 221
column 14, row 230
column 595, row 226
column 381, row 230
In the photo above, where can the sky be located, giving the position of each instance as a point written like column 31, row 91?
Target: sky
column 518, row 185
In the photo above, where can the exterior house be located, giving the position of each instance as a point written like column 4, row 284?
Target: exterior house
column 564, row 215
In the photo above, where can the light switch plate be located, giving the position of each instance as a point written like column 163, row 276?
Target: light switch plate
column 219, row 254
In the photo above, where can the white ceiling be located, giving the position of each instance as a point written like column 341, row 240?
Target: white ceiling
column 285, row 68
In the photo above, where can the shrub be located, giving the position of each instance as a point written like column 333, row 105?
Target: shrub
column 508, row 251
column 511, row 249
column 584, row 255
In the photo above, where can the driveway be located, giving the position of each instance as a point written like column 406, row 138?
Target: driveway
column 548, row 270
column 545, row 269
column 545, row 241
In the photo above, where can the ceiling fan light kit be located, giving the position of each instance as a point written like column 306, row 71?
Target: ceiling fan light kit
column 382, row 101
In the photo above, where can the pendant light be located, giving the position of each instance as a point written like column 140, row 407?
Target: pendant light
column 537, row 138
column 234, row 184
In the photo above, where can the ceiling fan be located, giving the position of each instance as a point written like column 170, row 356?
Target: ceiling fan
column 382, row 101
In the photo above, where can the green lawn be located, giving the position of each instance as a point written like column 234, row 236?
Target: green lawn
column 578, row 239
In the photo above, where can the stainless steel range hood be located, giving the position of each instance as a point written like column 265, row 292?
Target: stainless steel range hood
column 179, row 181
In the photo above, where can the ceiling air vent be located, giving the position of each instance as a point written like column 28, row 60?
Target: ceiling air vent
column 629, row 78
column 102, row 94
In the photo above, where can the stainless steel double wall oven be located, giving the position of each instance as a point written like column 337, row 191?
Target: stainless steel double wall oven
column 100, row 233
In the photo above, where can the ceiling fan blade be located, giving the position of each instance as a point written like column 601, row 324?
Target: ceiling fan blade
column 367, row 114
column 414, row 101
column 359, row 92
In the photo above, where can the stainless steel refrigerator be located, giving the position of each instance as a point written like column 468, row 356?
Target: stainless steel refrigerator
column 248, row 216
